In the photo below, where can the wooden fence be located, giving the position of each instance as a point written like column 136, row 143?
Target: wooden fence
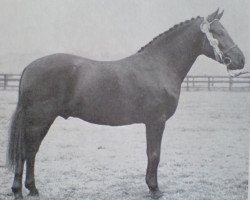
column 212, row 83
column 191, row 83
column 9, row 81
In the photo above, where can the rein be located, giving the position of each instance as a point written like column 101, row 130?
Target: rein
column 219, row 55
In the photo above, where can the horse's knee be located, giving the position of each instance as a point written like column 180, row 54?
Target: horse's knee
column 154, row 158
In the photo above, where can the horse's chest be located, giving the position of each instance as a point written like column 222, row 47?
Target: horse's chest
column 163, row 105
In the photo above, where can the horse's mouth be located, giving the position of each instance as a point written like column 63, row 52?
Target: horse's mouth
column 234, row 66
column 236, row 72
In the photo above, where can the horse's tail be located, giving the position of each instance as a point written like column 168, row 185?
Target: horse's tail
column 16, row 146
column 16, row 149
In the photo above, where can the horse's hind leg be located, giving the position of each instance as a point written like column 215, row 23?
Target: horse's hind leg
column 37, row 128
column 17, row 183
column 154, row 136
column 34, row 139
column 30, row 179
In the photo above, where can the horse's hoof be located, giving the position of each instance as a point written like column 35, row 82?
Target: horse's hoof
column 18, row 196
column 156, row 194
column 17, row 191
column 33, row 193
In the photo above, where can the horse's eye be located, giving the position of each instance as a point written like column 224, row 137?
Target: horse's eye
column 227, row 61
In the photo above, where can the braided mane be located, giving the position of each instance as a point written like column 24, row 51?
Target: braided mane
column 169, row 31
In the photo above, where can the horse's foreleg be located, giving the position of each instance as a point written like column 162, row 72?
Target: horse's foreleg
column 154, row 136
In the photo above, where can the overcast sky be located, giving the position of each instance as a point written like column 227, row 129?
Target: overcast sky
column 105, row 29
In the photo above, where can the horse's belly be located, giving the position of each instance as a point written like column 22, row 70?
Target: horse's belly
column 106, row 112
column 105, row 118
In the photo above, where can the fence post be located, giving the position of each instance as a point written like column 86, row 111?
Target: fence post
column 249, row 85
column 230, row 83
column 187, row 83
column 208, row 83
column 5, row 81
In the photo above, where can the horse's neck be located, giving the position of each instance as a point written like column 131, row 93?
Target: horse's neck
column 178, row 51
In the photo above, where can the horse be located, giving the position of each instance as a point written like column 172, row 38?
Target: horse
column 141, row 88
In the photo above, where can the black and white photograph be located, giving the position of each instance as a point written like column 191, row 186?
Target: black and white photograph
column 124, row 99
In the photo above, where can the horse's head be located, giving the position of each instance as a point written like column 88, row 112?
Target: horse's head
column 218, row 44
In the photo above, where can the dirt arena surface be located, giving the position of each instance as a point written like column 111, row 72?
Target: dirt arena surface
column 205, row 153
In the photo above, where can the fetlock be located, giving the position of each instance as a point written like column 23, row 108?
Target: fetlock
column 17, row 190
column 32, row 188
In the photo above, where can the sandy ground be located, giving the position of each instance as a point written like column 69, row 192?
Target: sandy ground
column 205, row 153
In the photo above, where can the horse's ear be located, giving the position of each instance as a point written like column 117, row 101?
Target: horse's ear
column 220, row 15
column 213, row 16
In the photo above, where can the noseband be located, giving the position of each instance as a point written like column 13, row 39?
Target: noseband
column 219, row 55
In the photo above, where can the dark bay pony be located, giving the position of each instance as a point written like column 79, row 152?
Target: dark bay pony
column 142, row 88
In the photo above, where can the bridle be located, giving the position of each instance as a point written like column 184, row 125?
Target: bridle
column 219, row 55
